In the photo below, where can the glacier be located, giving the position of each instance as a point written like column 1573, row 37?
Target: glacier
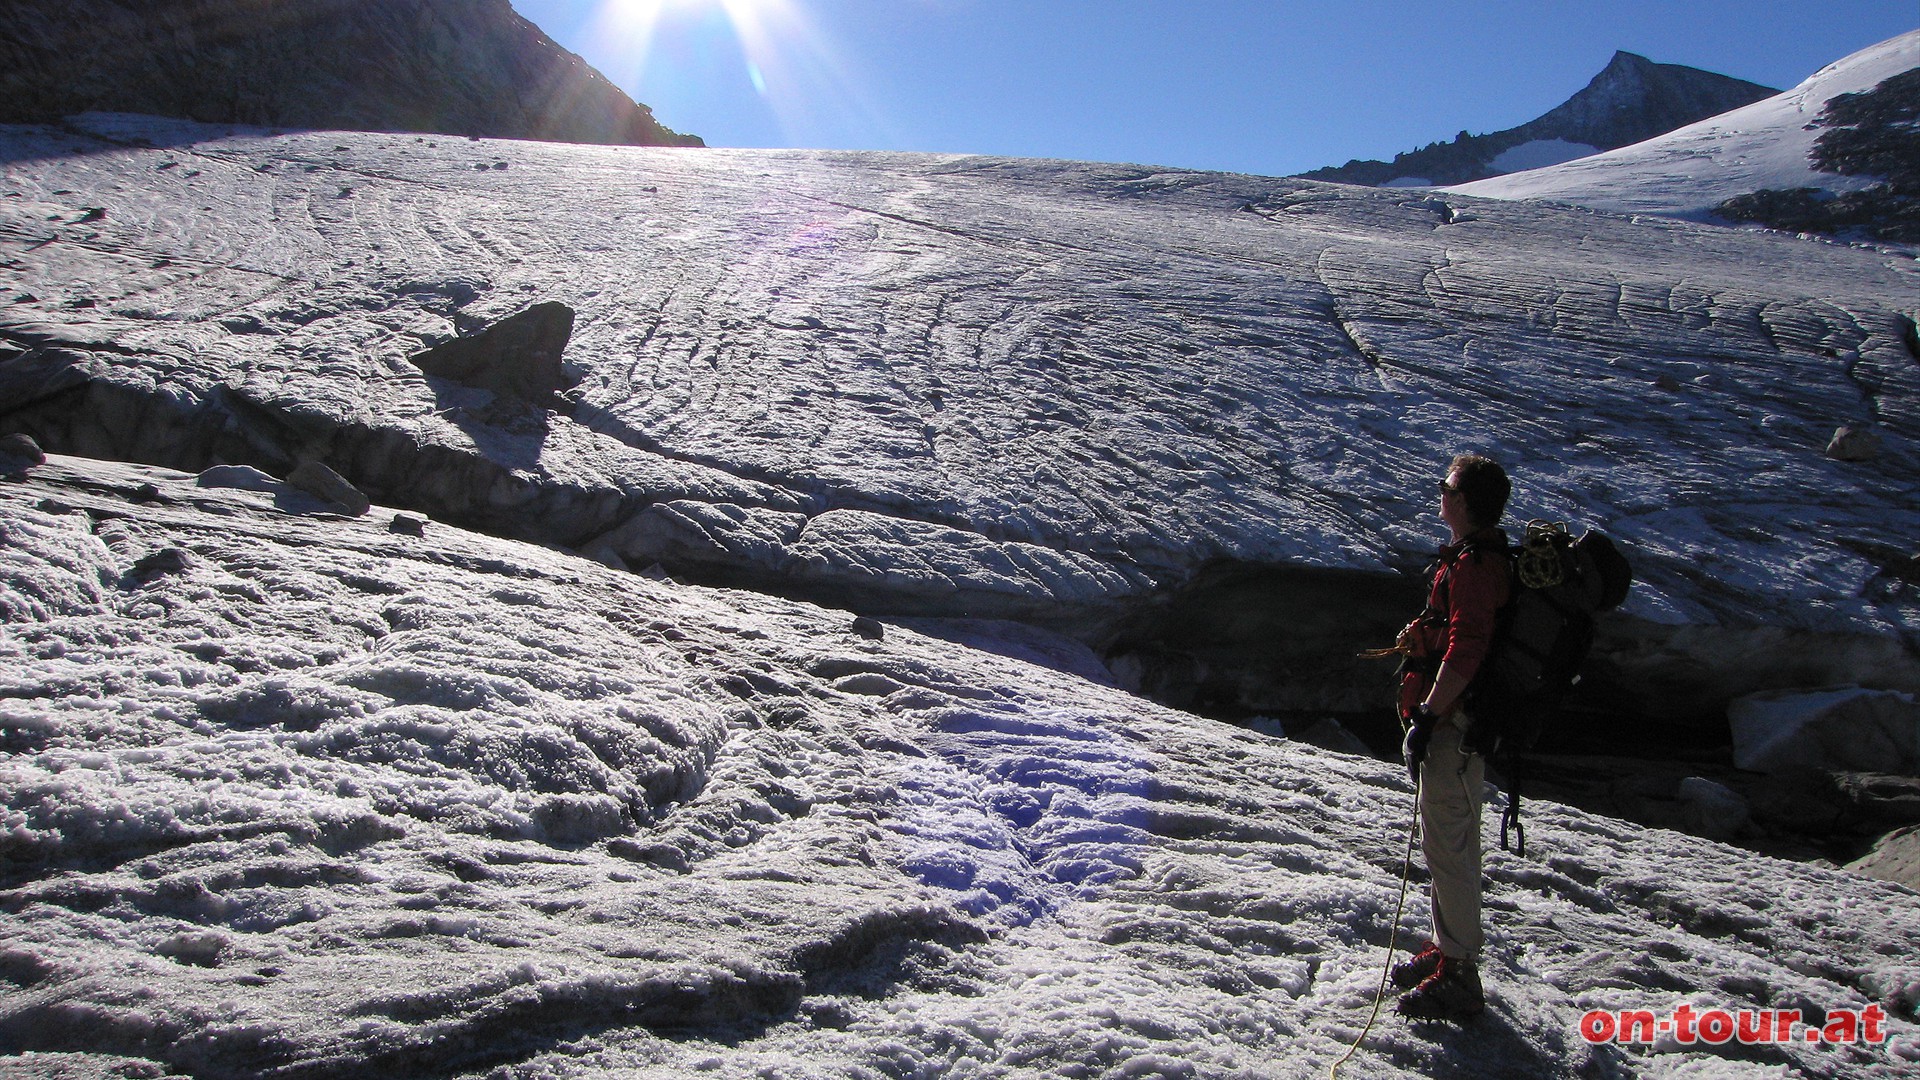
column 782, row 701
column 1046, row 391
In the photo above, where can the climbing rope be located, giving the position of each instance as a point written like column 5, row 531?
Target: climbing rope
column 1393, row 932
column 1540, row 565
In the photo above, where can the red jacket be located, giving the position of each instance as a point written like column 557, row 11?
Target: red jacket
column 1471, row 584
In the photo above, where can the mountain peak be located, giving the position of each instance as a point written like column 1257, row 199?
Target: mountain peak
column 1630, row 100
column 1634, row 98
column 1833, row 155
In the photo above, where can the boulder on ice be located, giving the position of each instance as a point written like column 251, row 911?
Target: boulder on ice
column 1846, row 729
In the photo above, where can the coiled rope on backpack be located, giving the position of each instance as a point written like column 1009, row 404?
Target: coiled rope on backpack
column 1539, row 565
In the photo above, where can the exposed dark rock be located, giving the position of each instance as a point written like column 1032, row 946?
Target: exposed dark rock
column 408, row 525
column 1880, row 799
column 1632, row 99
column 166, row 561
column 18, row 453
column 1800, row 801
column 1896, row 857
column 1801, row 814
column 1878, row 212
column 316, row 479
column 518, row 358
column 1870, row 133
column 468, row 67
column 1712, row 809
column 1854, row 442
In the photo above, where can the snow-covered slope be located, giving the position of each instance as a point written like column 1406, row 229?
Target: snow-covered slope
column 1690, row 171
column 293, row 794
column 1043, row 390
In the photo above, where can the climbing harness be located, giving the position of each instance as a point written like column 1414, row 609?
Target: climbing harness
column 1393, row 933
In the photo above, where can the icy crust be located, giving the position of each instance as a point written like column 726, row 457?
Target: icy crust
column 289, row 794
column 988, row 387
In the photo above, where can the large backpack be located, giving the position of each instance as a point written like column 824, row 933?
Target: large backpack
column 1541, row 637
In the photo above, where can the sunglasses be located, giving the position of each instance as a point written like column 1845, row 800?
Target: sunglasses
column 1448, row 489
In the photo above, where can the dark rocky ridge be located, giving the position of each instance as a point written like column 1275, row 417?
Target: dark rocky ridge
column 1867, row 134
column 1632, row 99
column 462, row 67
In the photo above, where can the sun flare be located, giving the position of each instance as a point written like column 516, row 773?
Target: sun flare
column 759, row 25
column 649, row 10
column 685, row 48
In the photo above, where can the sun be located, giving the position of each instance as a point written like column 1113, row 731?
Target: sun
column 698, row 46
column 753, row 21
column 737, row 10
column 765, row 29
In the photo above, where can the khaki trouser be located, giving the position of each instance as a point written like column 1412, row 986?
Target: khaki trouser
column 1450, row 800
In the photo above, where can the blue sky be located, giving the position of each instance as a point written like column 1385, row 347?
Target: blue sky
column 1261, row 86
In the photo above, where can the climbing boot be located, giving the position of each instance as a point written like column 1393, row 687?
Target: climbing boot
column 1451, row 993
column 1411, row 972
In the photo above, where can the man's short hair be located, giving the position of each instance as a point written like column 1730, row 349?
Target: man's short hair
column 1484, row 485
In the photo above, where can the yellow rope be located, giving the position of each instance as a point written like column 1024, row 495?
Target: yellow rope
column 1393, row 931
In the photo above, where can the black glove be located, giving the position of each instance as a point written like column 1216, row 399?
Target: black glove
column 1413, row 748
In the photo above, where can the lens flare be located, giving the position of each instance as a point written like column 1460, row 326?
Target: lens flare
column 768, row 45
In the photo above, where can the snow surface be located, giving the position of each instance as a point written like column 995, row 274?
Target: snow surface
column 1688, row 172
column 1539, row 153
column 1056, row 382
column 288, row 793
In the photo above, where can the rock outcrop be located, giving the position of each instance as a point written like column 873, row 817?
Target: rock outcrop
column 1896, row 857
column 19, row 453
column 517, row 358
column 317, row 479
column 1854, row 443
column 1866, row 134
column 458, row 67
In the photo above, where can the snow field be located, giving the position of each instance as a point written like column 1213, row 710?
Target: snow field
column 321, row 798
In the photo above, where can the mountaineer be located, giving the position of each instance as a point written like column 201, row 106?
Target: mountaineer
column 1443, row 649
